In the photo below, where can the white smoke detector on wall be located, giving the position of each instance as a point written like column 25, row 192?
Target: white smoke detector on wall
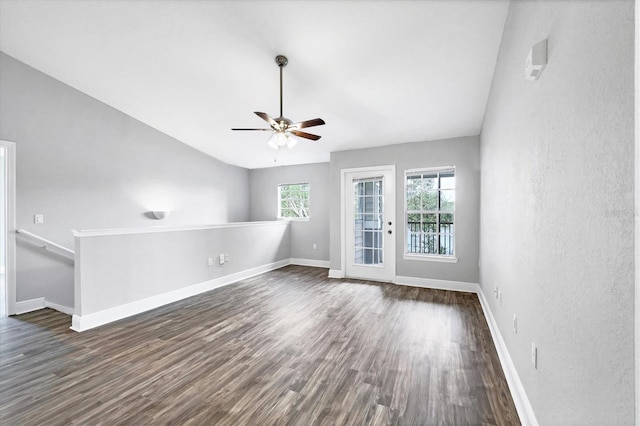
column 536, row 60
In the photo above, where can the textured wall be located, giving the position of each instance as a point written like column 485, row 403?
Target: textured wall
column 121, row 269
column 464, row 153
column 86, row 165
column 557, row 207
column 264, row 205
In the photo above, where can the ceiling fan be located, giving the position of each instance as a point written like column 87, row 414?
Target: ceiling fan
column 283, row 128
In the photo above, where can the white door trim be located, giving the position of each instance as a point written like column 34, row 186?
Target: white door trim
column 637, row 215
column 10, row 157
column 343, row 213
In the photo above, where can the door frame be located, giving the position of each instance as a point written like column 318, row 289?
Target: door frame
column 10, row 249
column 343, row 213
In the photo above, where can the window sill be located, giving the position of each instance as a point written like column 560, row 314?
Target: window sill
column 428, row 258
column 295, row 219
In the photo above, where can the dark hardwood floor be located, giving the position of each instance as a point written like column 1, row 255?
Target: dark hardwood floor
column 288, row 347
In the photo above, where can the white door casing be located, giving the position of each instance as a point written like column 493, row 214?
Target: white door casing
column 8, row 192
column 368, row 223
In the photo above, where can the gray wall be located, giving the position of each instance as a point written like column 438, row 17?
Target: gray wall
column 557, row 207
column 464, row 153
column 264, row 205
column 120, row 269
column 86, row 165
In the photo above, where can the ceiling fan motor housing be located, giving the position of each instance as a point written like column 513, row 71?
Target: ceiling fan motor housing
column 281, row 60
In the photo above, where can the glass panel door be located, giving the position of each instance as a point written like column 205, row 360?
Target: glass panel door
column 368, row 221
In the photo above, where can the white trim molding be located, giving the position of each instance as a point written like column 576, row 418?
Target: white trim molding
column 520, row 399
column 310, row 262
column 336, row 273
column 430, row 258
column 10, row 203
column 86, row 322
column 60, row 308
column 637, row 212
column 40, row 303
column 438, row 284
column 30, row 305
column 156, row 229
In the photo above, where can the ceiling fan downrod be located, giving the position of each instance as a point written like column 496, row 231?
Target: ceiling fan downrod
column 282, row 61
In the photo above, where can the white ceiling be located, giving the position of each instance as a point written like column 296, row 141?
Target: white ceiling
column 378, row 72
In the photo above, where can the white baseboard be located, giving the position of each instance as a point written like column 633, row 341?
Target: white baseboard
column 336, row 273
column 438, row 284
column 520, row 399
column 40, row 303
column 29, row 305
column 86, row 322
column 310, row 262
column 60, row 308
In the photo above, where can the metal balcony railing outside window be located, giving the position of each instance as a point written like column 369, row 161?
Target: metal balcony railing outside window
column 419, row 241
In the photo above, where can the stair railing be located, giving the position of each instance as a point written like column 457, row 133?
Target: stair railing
column 46, row 244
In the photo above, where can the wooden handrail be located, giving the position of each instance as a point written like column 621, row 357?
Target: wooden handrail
column 46, row 243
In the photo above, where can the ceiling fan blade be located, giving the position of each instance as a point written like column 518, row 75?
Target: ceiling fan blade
column 307, row 123
column 273, row 123
column 305, row 135
column 265, row 130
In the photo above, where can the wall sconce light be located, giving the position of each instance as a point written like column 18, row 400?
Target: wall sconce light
column 158, row 215
column 536, row 61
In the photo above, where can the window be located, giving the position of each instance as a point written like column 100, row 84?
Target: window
column 429, row 212
column 293, row 201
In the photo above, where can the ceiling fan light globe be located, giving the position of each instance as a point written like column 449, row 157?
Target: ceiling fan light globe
column 291, row 141
column 281, row 139
column 272, row 142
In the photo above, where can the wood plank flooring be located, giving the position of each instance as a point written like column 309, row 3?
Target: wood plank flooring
column 289, row 347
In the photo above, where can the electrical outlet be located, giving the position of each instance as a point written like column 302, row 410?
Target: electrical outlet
column 221, row 257
column 534, row 355
column 515, row 324
column 315, row 246
column 38, row 218
column 210, row 261
column 496, row 291
column 226, row 257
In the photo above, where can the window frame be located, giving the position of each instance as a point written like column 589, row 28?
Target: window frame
column 432, row 257
column 279, row 200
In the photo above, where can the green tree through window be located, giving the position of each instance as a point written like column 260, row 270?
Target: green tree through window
column 293, row 201
column 429, row 220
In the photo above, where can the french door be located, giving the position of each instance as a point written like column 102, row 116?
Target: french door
column 370, row 224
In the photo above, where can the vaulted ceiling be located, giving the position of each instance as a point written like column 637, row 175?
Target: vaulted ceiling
column 378, row 72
